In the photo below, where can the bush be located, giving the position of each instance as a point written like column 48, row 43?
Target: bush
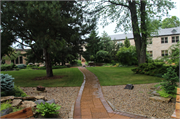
column 47, row 109
column 127, row 56
column 163, row 93
column 7, row 67
column 78, row 62
column 21, row 66
column 5, row 105
column 7, row 83
column 16, row 91
column 154, row 69
column 103, row 56
column 170, row 81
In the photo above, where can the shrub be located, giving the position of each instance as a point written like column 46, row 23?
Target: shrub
column 127, row 56
column 103, row 56
column 163, row 93
column 47, row 109
column 170, row 81
column 7, row 67
column 21, row 66
column 16, row 91
column 154, row 69
column 5, row 105
column 78, row 62
column 7, row 83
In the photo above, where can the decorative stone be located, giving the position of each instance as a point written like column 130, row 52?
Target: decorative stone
column 155, row 93
column 160, row 99
column 18, row 97
column 26, row 104
column 152, row 88
column 40, row 88
column 4, row 99
column 29, row 98
column 16, row 102
column 39, row 101
column 6, row 111
column 40, row 97
column 51, row 101
column 129, row 86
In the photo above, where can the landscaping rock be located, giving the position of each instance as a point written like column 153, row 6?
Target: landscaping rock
column 29, row 98
column 155, row 93
column 40, row 97
column 6, row 111
column 152, row 88
column 18, row 98
column 16, row 102
column 51, row 101
column 26, row 104
column 160, row 99
column 39, row 101
column 4, row 99
column 40, row 88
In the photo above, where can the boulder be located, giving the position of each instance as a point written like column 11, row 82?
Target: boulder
column 39, row 101
column 4, row 99
column 16, row 102
column 51, row 101
column 160, row 99
column 29, row 98
column 40, row 97
column 18, row 98
column 26, row 104
column 6, row 111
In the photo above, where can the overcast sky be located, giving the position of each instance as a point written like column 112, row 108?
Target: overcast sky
column 111, row 27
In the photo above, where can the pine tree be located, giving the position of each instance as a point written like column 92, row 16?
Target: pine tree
column 126, row 42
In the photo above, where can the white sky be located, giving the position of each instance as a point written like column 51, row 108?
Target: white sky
column 111, row 27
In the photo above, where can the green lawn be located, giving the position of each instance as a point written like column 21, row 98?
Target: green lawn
column 121, row 76
column 24, row 77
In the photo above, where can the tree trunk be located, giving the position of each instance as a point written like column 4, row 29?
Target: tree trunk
column 49, row 72
column 140, row 41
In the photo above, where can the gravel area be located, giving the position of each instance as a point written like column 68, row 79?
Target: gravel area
column 64, row 96
column 137, row 101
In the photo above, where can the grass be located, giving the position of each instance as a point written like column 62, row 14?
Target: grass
column 24, row 78
column 109, row 76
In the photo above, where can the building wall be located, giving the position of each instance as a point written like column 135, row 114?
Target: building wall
column 156, row 47
column 23, row 58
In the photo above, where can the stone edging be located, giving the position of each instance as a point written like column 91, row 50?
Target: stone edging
column 77, row 107
column 109, row 109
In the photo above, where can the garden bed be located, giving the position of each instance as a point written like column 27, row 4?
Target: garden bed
column 137, row 101
column 63, row 96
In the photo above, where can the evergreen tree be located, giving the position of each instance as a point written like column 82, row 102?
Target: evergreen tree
column 92, row 46
column 126, row 42
column 52, row 25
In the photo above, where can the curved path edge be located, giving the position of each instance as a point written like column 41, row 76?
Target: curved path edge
column 77, row 108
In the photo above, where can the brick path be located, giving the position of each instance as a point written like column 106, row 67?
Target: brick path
column 90, row 102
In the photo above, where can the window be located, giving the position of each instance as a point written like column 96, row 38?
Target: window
column 175, row 39
column 164, row 40
column 150, row 52
column 149, row 41
column 12, row 61
column 119, row 42
column 17, row 61
column 21, row 60
column 164, row 52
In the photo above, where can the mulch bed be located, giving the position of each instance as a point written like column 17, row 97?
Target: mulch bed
column 47, row 78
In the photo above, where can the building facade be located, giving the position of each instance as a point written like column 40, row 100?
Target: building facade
column 158, row 45
column 18, row 60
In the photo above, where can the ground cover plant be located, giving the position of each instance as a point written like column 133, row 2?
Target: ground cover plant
column 26, row 77
column 121, row 76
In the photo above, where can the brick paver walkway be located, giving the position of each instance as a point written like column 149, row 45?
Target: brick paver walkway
column 90, row 102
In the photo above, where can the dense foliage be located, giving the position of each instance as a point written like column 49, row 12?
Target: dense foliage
column 127, row 56
column 47, row 109
column 154, row 69
column 126, row 42
column 171, row 78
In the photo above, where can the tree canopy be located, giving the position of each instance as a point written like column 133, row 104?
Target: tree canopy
column 132, row 15
column 52, row 26
column 170, row 22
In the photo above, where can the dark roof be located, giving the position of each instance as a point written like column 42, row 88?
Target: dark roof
column 161, row 32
